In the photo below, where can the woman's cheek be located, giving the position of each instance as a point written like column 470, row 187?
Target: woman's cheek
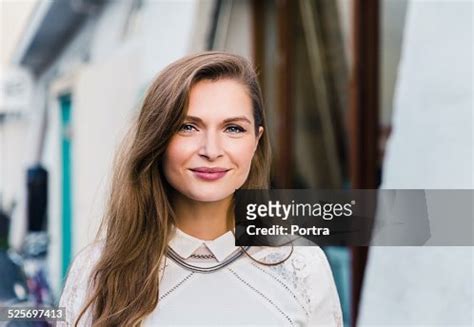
column 179, row 150
column 174, row 160
column 245, row 154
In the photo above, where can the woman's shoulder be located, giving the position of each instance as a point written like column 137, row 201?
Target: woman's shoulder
column 84, row 262
column 307, row 273
column 86, row 258
column 303, row 255
column 90, row 252
column 77, row 283
column 304, row 267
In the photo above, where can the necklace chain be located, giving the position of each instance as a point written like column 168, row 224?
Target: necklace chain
column 203, row 256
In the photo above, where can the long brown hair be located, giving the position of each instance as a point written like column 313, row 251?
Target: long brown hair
column 139, row 216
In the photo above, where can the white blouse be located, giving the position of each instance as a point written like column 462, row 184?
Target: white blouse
column 298, row 292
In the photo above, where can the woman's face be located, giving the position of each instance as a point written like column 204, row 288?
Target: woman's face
column 210, row 156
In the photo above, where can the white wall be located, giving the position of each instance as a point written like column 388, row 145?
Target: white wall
column 104, row 97
column 13, row 139
column 169, row 28
column 432, row 142
column 430, row 148
column 22, row 138
column 52, row 162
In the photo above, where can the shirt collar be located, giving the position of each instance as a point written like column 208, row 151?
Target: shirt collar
column 185, row 245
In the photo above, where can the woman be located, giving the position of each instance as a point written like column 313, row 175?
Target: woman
column 169, row 256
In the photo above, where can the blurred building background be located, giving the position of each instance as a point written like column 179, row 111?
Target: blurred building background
column 344, row 82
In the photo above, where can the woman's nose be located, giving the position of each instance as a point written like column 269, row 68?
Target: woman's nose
column 211, row 146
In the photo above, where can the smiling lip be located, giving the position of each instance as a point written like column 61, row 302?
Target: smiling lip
column 209, row 174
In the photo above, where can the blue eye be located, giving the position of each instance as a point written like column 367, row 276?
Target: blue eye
column 236, row 129
column 186, row 127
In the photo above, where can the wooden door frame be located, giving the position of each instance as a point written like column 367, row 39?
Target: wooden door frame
column 363, row 119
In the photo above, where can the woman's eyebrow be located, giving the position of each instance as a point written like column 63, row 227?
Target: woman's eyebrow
column 240, row 118
column 227, row 120
column 193, row 118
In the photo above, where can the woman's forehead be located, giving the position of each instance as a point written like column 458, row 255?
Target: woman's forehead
column 221, row 99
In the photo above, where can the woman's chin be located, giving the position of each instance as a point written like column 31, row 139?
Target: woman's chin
column 209, row 196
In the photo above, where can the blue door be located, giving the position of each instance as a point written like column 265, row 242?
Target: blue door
column 66, row 197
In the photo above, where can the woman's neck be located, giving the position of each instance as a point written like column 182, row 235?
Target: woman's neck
column 203, row 220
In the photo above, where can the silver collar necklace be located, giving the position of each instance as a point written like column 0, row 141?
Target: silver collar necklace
column 180, row 261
